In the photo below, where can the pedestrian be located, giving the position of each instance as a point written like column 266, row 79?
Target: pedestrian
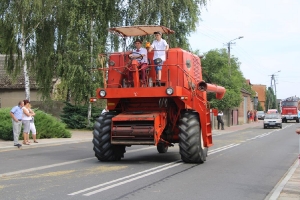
column 16, row 116
column 104, row 110
column 251, row 116
column 248, row 116
column 32, row 125
column 255, row 115
column 160, row 46
column 139, row 54
column 220, row 120
column 26, row 117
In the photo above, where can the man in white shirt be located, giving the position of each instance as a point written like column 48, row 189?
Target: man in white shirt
column 220, row 120
column 139, row 54
column 160, row 47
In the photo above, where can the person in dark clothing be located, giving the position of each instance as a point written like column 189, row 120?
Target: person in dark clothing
column 220, row 120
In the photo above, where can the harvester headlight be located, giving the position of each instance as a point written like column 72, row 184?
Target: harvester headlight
column 169, row 91
column 111, row 63
column 102, row 93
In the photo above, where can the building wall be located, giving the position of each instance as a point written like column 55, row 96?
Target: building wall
column 10, row 98
column 261, row 93
column 245, row 105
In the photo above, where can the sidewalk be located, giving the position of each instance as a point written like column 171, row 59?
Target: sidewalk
column 287, row 189
column 77, row 137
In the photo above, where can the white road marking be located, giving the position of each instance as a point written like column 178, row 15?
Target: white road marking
column 140, row 175
column 43, row 167
column 132, row 179
column 129, row 176
column 222, row 148
column 60, row 164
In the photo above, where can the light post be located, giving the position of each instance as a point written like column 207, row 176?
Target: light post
column 228, row 45
column 273, row 79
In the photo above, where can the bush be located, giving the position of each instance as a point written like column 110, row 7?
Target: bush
column 47, row 126
column 6, row 132
column 75, row 116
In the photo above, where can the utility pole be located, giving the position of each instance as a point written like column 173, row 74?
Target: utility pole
column 274, row 80
column 228, row 46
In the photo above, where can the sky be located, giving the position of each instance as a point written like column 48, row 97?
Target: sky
column 270, row 43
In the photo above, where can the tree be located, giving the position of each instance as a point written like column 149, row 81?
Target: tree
column 215, row 70
column 181, row 16
column 19, row 20
column 270, row 99
column 259, row 107
column 60, row 40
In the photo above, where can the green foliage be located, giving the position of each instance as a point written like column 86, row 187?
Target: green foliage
column 259, row 107
column 215, row 70
column 6, row 132
column 181, row 16
column 75, row 116
column 47, row 126
column 270, row 99
column 64, row 45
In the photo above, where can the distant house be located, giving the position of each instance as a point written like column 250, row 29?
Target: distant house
column 13, row 90
column 261, row 94
column 245, row 105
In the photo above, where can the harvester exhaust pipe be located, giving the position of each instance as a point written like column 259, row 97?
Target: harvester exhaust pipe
column 202, row 86
column 219, row 90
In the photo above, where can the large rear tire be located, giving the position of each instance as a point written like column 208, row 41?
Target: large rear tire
column 103, row 148
column 190, row 138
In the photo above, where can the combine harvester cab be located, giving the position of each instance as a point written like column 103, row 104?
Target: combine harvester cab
column 146, row 114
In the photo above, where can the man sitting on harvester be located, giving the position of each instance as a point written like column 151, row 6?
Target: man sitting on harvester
column 140, row 54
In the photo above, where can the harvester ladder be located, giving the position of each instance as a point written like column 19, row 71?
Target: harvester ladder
column 206, row 125
column 208, row 128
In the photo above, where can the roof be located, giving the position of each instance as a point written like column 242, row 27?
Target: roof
column 7, row 82
column 140, row 30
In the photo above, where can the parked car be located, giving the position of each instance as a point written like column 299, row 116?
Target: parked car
column 273, row 120
column 260, row 114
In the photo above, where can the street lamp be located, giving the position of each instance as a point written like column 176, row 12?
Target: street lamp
column 228, row 45
column 273, row 79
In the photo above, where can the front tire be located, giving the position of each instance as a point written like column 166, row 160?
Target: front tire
column 162, row 147
column 190, row 138
column 103, row 149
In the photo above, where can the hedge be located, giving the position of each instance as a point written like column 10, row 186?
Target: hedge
column 47, row 126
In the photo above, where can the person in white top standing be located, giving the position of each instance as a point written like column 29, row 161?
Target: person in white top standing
column 160, row 46
column 26, row 117
column 32, row 125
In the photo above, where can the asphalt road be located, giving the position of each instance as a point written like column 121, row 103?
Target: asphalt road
column 244, row 165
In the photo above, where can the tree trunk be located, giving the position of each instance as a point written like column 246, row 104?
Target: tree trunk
column 24, row 62
column 91, row 52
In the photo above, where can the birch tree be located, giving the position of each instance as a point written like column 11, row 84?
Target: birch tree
column 20, row 19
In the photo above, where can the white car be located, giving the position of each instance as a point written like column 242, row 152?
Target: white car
column 272, row 120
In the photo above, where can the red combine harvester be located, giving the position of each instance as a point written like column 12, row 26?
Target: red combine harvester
column 146, row 114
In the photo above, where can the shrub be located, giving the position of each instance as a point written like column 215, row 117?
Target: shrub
column 75, row 116
column 47, row 126
column 6, row 132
